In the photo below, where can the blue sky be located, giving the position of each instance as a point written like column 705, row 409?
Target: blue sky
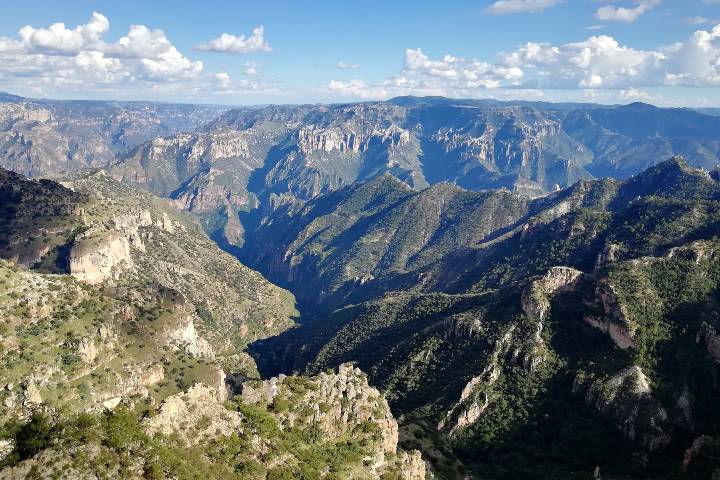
column 612, row 51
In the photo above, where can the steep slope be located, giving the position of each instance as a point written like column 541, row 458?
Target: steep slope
column 589, row 313
column 204, row 173
column 371, row 238
column 41, row 137
column 125, row 296
column 366, row 234
column 293, row 154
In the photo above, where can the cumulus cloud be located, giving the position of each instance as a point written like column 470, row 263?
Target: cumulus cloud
column 599, row 63
column 57, row 59
column 227, row 43
column 625, row 14
column 503, row 7
column 469, row 73
column 421, row 75
column 61, row 40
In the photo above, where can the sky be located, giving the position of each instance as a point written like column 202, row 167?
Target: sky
column 665, row 52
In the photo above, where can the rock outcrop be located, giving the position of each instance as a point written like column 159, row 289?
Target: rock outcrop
column 6, row 448
column 99, row 255
column 341, row 400
column 336, row 403
column 627, row 397
column 535, row 304
column 194, row 416
column 476, row 395
column 614, row 321
column 185, row 336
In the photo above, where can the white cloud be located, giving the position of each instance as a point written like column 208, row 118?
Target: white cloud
column 223, row 80
column 598, row 62
column 636, row 95
column 601, row 61
column 596, row 66
column 227, row 43
column 346, row 65
column 502, row 7
column 57, row 60
column 356, row 88
column 626, row 14
column 59, row 39
column 464, row 72
column 140, row 42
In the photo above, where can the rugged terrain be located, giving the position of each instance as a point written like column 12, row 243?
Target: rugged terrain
column 520, row 317
column 109, row 292
column 331, row 426
column 512, row 326
column 41, row 137
column 258, row 159
column 123, row 333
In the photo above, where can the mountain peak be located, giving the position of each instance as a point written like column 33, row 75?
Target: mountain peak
column 640, row 106
column 673, row 178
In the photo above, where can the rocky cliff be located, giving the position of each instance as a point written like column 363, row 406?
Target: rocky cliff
column 41, row 137
column 140, row 304
column 589, row 309
column 278, row 155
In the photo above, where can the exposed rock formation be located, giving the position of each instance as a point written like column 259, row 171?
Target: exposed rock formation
column 32, row 394
column 134, row 382
column 336, row 403
column 535, row 299
column 186, row 337
column 6, row 448
column 49, row 137
column 476, row 396
column 628, row 398
column 195, row 416
column 99, row 255
column 348, row 398
column 614, row 321
column 87, row 350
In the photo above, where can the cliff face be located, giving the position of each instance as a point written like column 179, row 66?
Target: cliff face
column 98, row 256
column 38, row 221
column 46, row 137
column 628, row 397
column 296, row 153
column 150, row 306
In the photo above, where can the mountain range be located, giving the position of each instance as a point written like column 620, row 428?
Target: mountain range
column 481, row 314
column 42, row 137
column 255, row 159
column 414, row 288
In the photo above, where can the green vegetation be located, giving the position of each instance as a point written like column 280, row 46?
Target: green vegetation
column 264, row 446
